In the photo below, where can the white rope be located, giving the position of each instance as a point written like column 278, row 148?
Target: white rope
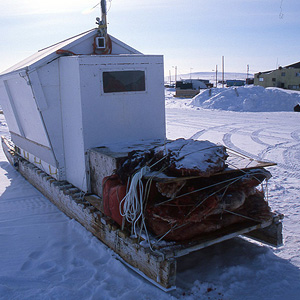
column 131, row 206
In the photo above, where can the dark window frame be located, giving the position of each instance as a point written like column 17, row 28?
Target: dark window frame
column 124, row 81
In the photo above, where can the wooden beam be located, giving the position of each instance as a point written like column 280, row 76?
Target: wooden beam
column 271, row 235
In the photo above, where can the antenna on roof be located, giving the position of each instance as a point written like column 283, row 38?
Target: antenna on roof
column 102, row 41
column 89, row 10
column 103, row 9
column 102, row 24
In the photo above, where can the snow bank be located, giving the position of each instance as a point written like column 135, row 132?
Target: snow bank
column 247, row 99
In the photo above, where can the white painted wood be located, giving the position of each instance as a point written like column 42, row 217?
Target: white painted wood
column 72, row 123
column 49, row 82
column 13, row 112
column 37, row 91
column 6, row 106
column 128, row 116
column 26, row 110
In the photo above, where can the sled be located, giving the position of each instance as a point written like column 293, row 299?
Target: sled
column 71, row 106
column 158, row 262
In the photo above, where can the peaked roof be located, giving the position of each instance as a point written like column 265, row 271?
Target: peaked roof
column 295, row 66
column 48, row 54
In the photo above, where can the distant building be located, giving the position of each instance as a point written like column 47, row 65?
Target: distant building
column 284, row 77
column 235, row 82
column 250, row 81
column 190, row 87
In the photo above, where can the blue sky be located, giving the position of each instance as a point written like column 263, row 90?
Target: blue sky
column 191, row 34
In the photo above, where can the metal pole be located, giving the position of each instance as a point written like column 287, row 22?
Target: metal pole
column 247, row 74
column 222, row 71
column 175, row 74
column 216, row 75
column 103, row 11
column 103, row 7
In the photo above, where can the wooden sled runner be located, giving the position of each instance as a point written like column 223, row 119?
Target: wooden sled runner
column 158, row 264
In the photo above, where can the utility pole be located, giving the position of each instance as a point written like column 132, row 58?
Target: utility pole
column 222, row 71
column 216, row 76
column 247, row 74
column 175, row 74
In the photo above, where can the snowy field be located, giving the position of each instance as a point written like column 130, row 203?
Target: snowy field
column 45, row 255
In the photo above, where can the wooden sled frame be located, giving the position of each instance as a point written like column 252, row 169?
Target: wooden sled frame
column 157, row 265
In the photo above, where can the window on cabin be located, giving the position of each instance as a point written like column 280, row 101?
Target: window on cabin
column 123, row 81
column 297, row 74
column 261, row 79
column 282, row 73
column 273, row 79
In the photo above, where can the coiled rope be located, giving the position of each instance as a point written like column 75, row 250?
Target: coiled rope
column 131, row 206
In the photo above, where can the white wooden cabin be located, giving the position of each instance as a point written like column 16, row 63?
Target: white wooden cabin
column 57, row 107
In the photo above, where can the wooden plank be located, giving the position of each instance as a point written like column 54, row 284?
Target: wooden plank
column 271, row 235
column 213, row 238
column 95, row 201
column 237, row 160
column 186, row 93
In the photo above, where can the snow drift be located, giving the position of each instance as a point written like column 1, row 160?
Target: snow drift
column 247, row 99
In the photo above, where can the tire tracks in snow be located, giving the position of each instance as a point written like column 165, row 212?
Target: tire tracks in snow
column 295, row 135
column 290, row 164
column 289, row 154
column 228, row 143
column 197, row 135
column 255, row 136
column 291, row 157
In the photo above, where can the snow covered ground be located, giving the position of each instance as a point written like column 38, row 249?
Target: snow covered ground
column 45, row 255
column 248, row 98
